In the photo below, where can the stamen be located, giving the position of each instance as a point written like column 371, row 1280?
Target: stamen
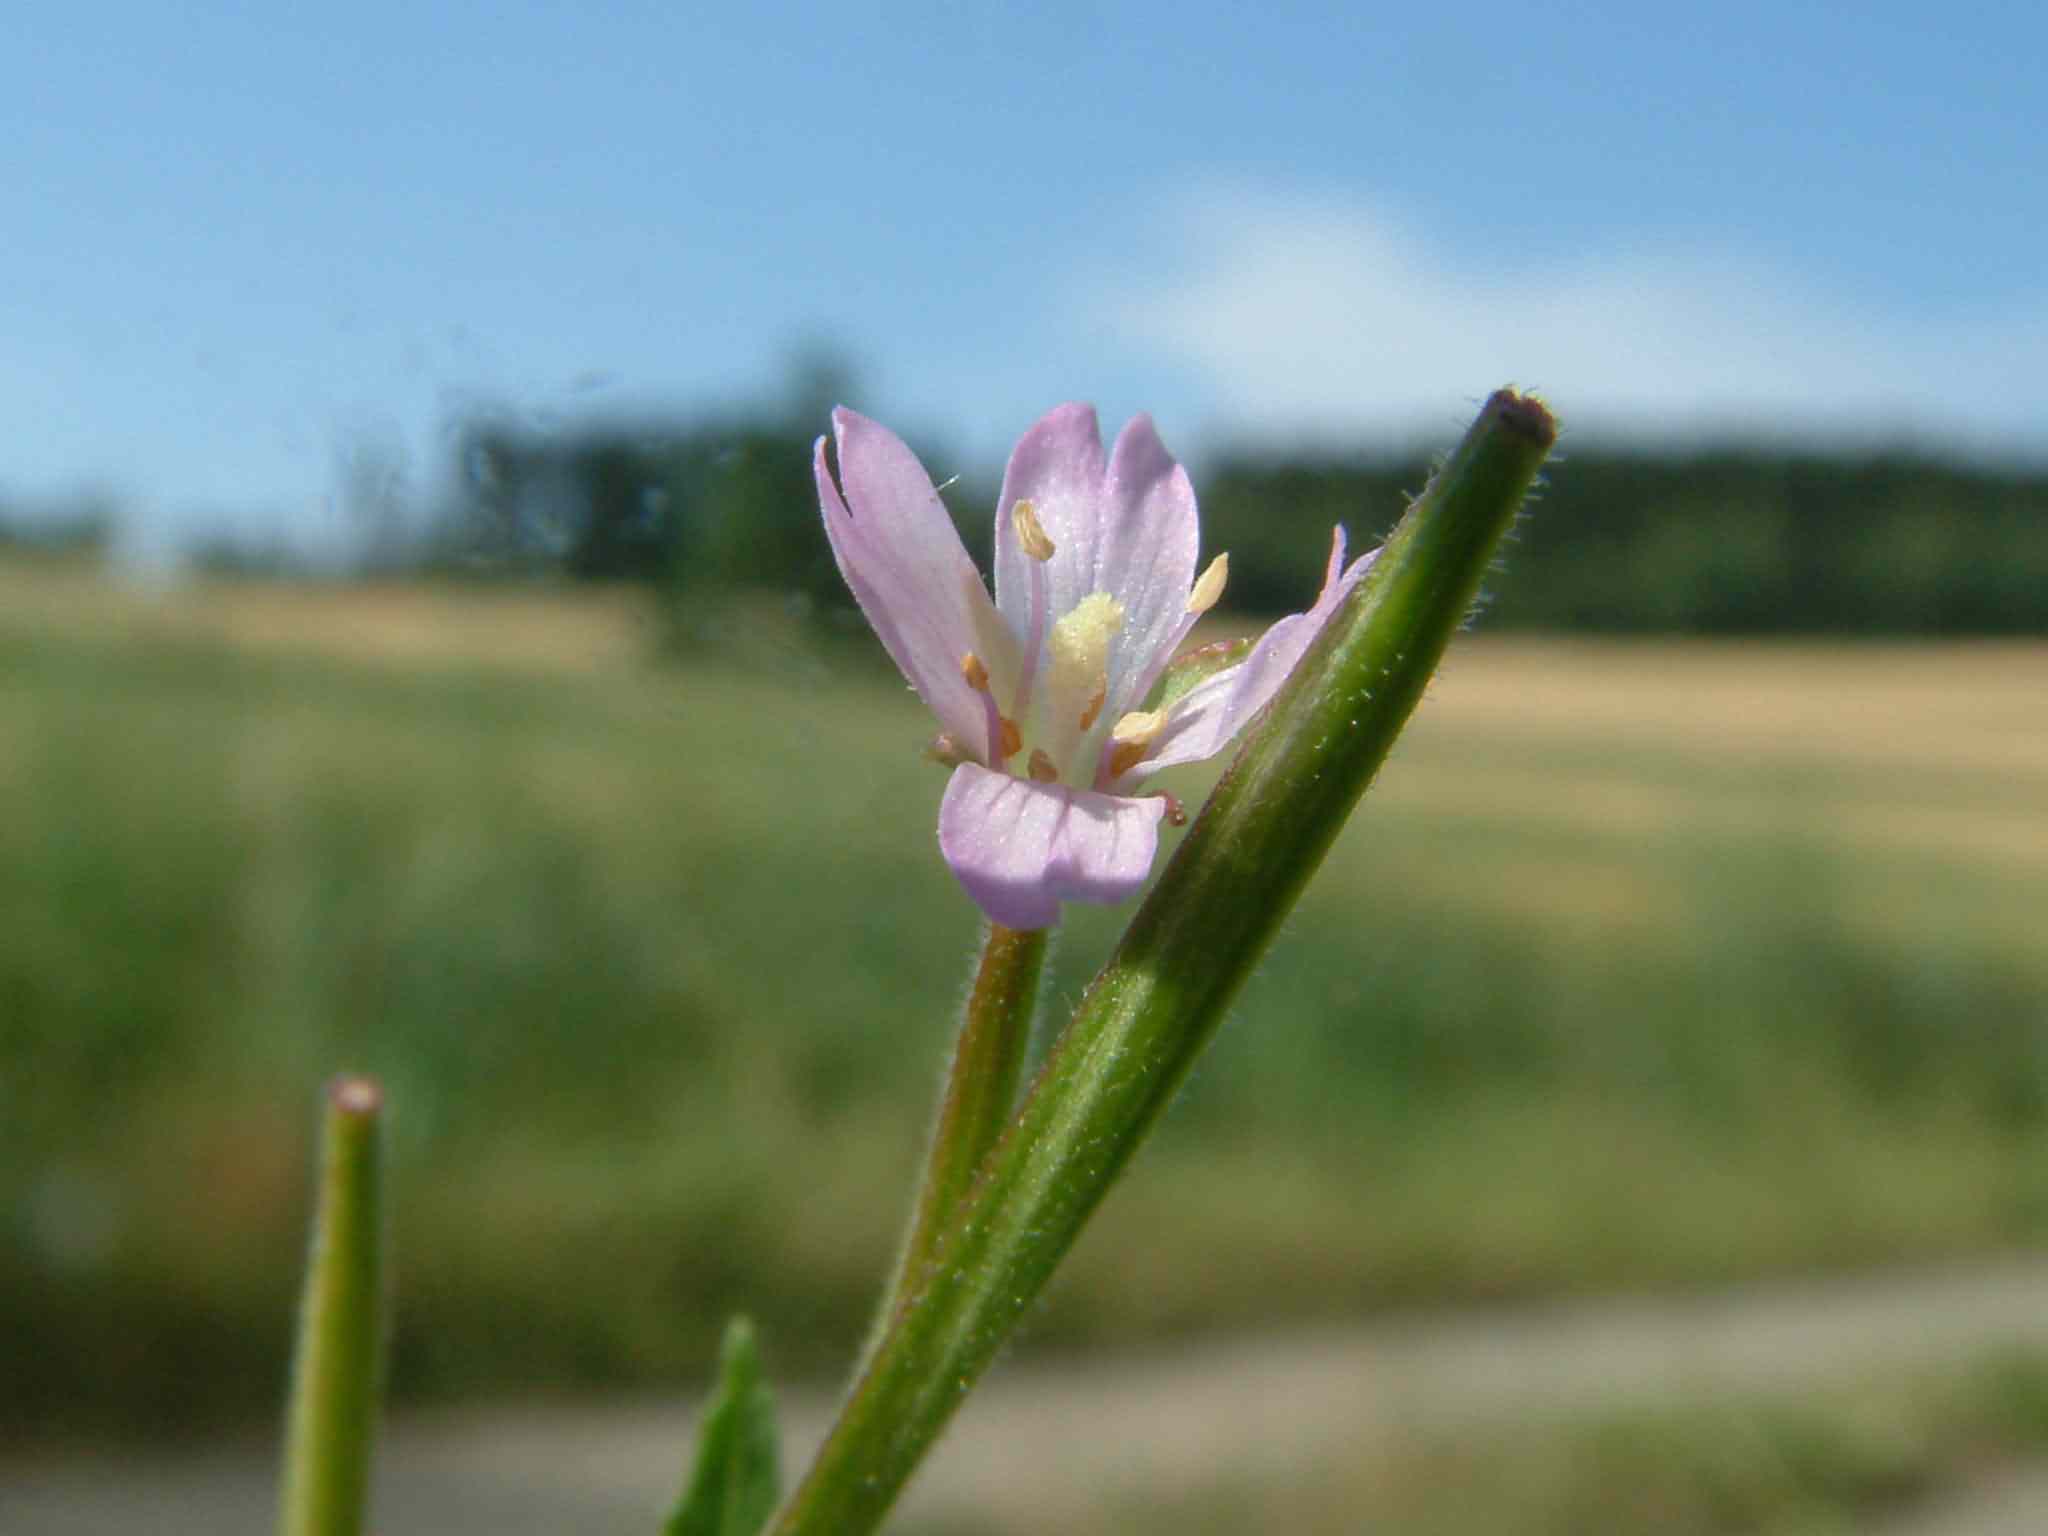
column 1041, row 767
column 1003, row 739
column 1031, row 535
column 1094, row 709
column 1130, row 737
column 1140, row 726
column 1013, row 739
column 1210, row 585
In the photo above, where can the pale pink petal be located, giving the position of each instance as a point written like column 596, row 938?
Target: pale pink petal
column 1127, row 528
column 1145, row 557
column 1021, row 848
column 906, row 567
column 1056, row 466
column 1210, row 715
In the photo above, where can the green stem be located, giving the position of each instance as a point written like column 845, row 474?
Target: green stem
column 335, row 1371
column 981, row 1093
column 1156, row 1004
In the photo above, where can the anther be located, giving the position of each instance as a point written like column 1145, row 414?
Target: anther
column 1013, row 739
column 1210, row 586
column 1041, row 767
column 1176, row 813
column 1129, row 738
column 1031, row 532
column 1140, row 726
column 1094, row 709
column 1002, row 738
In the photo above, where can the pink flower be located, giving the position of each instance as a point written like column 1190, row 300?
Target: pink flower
column 1040, row 693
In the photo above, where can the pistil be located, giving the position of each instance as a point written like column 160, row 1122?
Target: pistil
column 1077, row 681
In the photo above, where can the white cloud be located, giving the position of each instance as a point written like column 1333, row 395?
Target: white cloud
column 1322, row 318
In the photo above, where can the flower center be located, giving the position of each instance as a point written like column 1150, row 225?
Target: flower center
column 1073, row 744
column 1077, row 680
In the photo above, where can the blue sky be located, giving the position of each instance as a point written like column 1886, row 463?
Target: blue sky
column 239, row 237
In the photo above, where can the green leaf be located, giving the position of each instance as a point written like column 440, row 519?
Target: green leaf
column 1196, row 666
column 738, row 1475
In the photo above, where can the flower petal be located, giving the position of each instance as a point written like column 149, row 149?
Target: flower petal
column 1057, row 467
column 1149, row 538
column 1021, row 847
column 1127, row 528
column 1205, row 720
column 898, row 550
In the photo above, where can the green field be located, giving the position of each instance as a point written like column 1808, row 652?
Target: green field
column 1646, row 964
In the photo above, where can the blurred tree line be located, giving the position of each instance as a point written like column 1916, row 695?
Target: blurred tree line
column 1739, row 539
column 1734, row 540
column 703, row 509
column 75, row 528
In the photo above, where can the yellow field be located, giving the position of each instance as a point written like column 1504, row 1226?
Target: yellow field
column 1913, row 752
column 562, row 629
column 1937, row 751
column 1979, row 704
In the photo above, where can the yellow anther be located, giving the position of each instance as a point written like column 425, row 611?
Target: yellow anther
column 1031, row 532
column 1209, row 587
column 1140, row 726
column 1130, row 737
column 1013, row 739
column 1041, row 767
column 976, row 674
column 1095, row 702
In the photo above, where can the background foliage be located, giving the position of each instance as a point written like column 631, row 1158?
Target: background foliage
column 1727, row 541
column 1733, row 539
column 1730, row 953
column 656, row 959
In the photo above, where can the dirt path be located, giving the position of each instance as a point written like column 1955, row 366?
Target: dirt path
column 2014, row 1505
column 1115, row 1428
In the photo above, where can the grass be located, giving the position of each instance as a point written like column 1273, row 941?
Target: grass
column 1650, row 964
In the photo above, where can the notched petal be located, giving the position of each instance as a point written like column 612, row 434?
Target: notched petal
column 1146, row 546
column 1057, row 467
column 902, row 559
column 1021, row 848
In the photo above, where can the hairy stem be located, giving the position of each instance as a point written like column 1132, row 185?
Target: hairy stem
column 1155, row 1005
column 980, row 1094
